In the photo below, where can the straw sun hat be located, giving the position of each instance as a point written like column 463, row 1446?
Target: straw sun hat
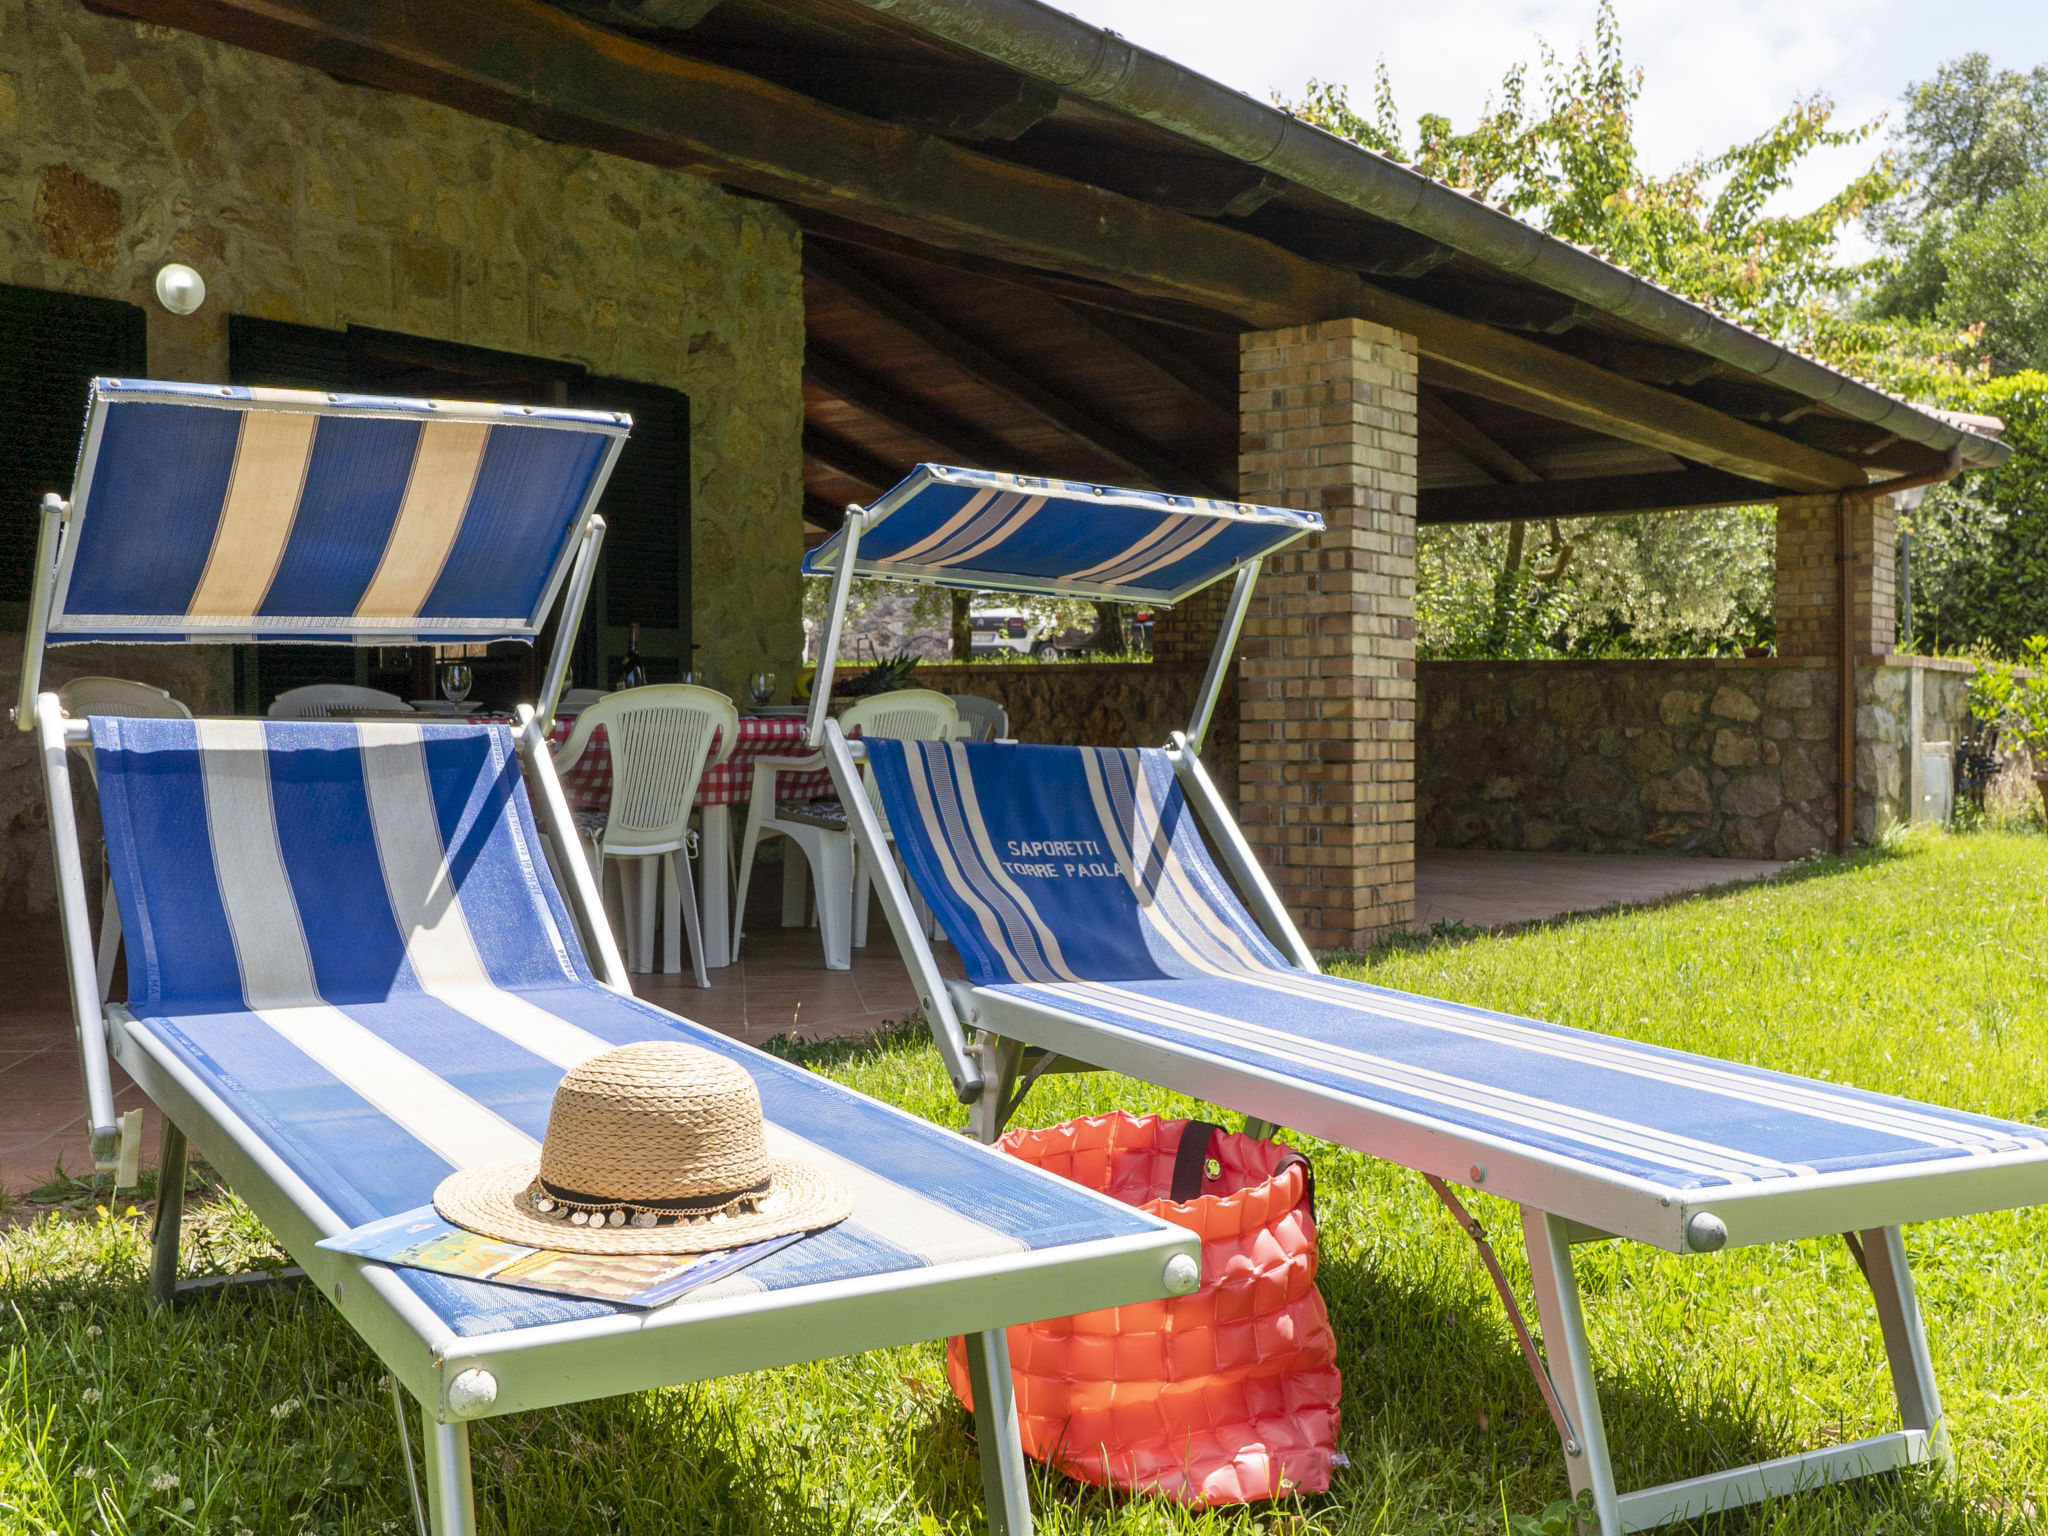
column 650, row 1148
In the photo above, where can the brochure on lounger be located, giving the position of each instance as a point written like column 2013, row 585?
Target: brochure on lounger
column 424, row 1239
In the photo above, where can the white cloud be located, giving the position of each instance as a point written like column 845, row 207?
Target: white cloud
column 1715, row 73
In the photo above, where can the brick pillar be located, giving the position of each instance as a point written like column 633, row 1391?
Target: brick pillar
column 1808, row 590
column 1186, row 632
column 1327, row 752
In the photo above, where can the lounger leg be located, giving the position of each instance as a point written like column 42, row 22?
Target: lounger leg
column 451, row 1500
column 1005, row 1486
column 170, row 1217
column 1000, row 1060
column 1564, row 1333
column 1905, row 1338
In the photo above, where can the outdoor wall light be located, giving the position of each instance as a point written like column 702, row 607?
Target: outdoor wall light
column 179, row 289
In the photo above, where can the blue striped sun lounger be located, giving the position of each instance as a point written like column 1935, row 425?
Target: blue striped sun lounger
column 1096, row 931
column 355, row 964
column 1093, row 925
column 354, row 974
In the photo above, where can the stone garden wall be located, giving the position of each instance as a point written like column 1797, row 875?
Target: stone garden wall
column 1100, row 704
column 300, row 198
column 1731, row 758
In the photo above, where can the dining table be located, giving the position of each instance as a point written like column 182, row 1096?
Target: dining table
column 587, row 783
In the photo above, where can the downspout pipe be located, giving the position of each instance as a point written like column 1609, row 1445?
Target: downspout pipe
column 1098, row 65
column 1845, row 653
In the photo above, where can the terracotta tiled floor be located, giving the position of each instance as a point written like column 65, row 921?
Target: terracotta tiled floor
column 1493, row 890
column 781, row 985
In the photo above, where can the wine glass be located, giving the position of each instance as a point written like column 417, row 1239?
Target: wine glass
column 455, row 682
column 761, row 689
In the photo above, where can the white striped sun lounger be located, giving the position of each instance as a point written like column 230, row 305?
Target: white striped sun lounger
column 1096, row 931
column 352, row 970
column 1093, row 924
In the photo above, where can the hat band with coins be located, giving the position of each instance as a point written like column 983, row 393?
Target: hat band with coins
column 596, row 1211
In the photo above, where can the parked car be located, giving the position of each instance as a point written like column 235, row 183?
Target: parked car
column 994, row 630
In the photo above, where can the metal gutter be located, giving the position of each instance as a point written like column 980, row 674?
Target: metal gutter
column 1091, row 62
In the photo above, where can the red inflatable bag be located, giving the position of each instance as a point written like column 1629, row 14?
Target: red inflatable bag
column 1219, row 1397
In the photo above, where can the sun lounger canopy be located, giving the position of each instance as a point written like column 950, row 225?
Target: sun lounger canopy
column 208, row 512
column 1014, row 533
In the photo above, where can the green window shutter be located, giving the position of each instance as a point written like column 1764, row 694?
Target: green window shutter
column 52, row 345
column 646, row 510
column 275, row 354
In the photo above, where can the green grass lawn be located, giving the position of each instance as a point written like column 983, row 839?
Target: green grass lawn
column 1922, row 971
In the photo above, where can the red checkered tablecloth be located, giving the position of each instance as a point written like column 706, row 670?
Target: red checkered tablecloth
column 588, row 781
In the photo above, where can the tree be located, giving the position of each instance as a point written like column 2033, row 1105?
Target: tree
column 1998, row 278
column 1970, row 225
column 1569, row 165
column 1980, row 543
column 1561, row 153
column 1968, row 137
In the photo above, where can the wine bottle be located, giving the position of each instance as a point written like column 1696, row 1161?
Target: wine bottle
column 633, row 674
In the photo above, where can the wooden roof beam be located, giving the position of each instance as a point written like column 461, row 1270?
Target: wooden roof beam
column 1171, row 371
column 1473, row 443
column 823, row 512
column 849, row 462
column 551, row 73
column 956, row 441
column 1140, row 460
column 1673, row 491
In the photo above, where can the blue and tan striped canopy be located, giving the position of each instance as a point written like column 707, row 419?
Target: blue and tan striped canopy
column 1014, row 533
column 210, row 512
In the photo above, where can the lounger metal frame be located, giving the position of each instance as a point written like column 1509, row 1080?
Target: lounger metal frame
column 1562, row 1202
column 456, row 1379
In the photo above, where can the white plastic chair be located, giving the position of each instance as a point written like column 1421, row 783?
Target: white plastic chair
column 985, row 719
column 909, row 714
column 661, row 739
column 84, row 696
column 335, row 701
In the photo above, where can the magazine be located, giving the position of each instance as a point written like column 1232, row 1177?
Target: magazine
column 424, row 1239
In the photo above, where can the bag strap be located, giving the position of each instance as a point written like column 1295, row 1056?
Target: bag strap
column 1308, row 1178
column 1192, row 1160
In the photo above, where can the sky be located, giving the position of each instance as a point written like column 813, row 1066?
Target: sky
column 1716, row 71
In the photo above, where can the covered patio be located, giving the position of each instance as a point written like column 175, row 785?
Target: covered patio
column 811, row 246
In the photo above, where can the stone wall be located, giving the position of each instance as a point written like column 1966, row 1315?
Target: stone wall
column 1100, row 704
column 300, row 198
column 1729, row 758
column 1890, row 743
column 889, row 624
